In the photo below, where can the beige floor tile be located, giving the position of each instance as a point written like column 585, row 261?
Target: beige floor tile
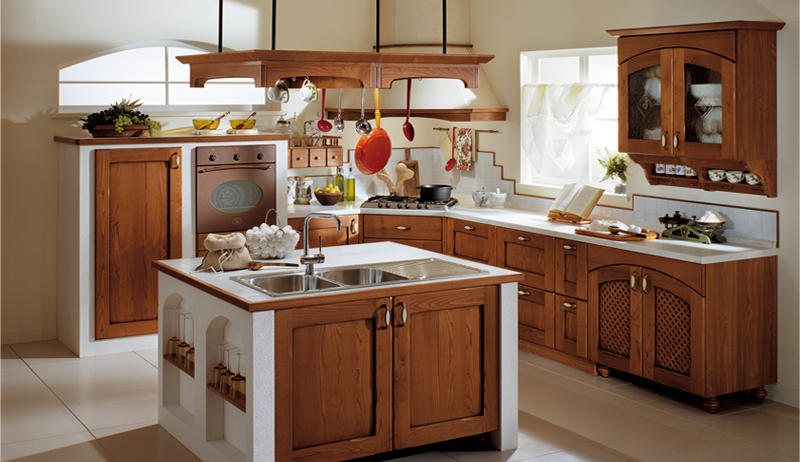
column 44, row 352
column 7, row 353
column 528, row 357
column 575, row 374
column 31, row 411
column 691, row 442
column 10, row 361
column 775, row 427
column 151, row 444
column 537, row 384
column 433, row 456
column 601, row 416
column 151, row 355
column 536, row 437
column 108, row 431
column 584, row 454
column 53, row 447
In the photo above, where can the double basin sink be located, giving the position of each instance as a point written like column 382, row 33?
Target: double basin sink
column 357, row 276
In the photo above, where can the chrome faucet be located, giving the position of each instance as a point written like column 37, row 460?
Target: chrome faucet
column 307, row 259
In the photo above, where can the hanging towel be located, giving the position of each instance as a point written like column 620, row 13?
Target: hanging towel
column 446, row 146
column 462, row 147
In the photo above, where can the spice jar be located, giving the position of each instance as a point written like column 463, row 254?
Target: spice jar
column 305, row 187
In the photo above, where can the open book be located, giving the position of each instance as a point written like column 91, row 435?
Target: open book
column 575, row 202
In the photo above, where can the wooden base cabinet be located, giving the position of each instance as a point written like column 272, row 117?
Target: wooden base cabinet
column 325, row 229
column 471, row 241
column 370, row 376
column 417, row 231
column 705, row 329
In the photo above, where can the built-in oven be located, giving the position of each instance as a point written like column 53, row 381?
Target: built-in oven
column 235, row 187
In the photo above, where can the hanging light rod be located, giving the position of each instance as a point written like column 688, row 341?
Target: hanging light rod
column 219, row 39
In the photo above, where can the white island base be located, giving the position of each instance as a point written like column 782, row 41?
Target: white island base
column 215, row 429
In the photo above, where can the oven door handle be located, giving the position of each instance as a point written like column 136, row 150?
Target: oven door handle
column 231, row 167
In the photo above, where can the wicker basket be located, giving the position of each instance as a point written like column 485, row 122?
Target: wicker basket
column 271, row 241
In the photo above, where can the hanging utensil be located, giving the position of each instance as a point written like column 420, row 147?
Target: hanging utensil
column 362, row 126
column 338, row 122
column 240, row 125
column 408, row 129
column 323, row 125
column 218, row 118
column 373, row 151
column 452, row 162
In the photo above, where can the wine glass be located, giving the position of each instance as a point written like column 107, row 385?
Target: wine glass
column 184, row 346
column 172, row 343
column 190, row 340
column 220, row 368
column 238, row 382
column 225, row 379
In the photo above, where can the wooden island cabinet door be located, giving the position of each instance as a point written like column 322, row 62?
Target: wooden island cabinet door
column 445, row 365
column 333, row 383
column 137, row 220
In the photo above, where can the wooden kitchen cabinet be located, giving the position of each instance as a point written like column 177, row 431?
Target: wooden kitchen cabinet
column 365, row 377
column 325, row 228
column 528, row 253
column 417, row 231
column 701, row 95
column 137, row 220
column 536, row 316
column 570, row 268
column 705, row 329
column 471, row 241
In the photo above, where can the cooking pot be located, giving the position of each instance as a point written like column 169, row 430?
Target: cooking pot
column 435, row 192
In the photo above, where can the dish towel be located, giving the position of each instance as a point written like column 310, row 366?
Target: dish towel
column 462, row 147
column 446, row 146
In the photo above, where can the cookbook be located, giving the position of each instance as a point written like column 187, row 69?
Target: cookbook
column 575, row 202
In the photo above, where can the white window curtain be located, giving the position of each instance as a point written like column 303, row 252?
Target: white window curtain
column 558, row 120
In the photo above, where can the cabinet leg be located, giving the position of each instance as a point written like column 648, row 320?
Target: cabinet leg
column 711, row 404
column 604, row 371
column 759, row 393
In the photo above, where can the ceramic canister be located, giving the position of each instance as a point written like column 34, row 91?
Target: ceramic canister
column 291, row 190
column 661, row 169
column 670, row 169
column 305, row 188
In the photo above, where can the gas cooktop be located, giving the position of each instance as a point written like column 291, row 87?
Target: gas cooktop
column 407, row 202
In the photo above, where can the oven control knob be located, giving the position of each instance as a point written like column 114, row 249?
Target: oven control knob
column 236, row 157
column 399, row 205
column 419, row 205
column 427, row 206
column 408, row 205
column 212, row 157
column 260, row 156
column 380, row 205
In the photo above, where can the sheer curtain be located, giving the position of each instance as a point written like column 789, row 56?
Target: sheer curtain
column 557, row 122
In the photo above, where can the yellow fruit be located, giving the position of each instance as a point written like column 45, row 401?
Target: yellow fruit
column 318, row 190
column 330, row 186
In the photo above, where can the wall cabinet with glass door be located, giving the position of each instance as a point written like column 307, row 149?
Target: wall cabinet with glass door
column 703, row 96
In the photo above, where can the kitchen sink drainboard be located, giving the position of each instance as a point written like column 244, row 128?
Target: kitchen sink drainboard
column 428, row 268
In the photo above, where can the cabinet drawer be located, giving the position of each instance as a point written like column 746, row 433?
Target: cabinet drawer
column 472, row 241
column 403, row 227
column 530, row 254
column 570, row 325
column 298, row 158
column 536, row 321
column 571, row 273
column 317, row 157
column 335, row 157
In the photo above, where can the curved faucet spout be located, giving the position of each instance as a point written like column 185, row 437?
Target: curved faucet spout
column 307, row 259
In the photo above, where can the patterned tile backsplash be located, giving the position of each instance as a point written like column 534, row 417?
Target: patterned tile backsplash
column 745, row 226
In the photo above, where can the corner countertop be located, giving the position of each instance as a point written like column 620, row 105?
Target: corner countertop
column 221, row 286
column 537, row 222
column 159, row 139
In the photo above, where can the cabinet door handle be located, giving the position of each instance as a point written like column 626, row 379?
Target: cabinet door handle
column 403, row 315
column 403, row 228
column 570, row 247
column 387, row 317
column 664, row 140
column 354, row 227
column 523, row 238
column 523, row 293
column 633, row 281
column 175, row 161
column 469, row 228
column 675, row 141
column 570, row 305
column 644, row 283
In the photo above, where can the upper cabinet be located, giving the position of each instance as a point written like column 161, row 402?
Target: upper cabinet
column 703, row 96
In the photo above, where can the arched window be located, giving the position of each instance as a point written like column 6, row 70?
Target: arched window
column 149, row 72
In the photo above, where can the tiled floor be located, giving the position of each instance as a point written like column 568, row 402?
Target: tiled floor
column 56, row 407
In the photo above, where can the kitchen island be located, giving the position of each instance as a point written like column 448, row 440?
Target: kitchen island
column 345, row 373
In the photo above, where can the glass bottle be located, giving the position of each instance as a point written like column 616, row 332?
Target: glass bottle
column 350, row 186
column 339, row 181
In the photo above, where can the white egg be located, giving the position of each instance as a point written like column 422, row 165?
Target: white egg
column 635, row 229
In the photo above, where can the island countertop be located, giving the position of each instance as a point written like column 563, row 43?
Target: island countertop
column 221, row 286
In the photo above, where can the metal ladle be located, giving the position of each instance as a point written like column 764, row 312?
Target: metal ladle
column 338, row 122
column 362, row 126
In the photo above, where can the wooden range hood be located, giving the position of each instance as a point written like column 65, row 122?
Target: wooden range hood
column 331, row 69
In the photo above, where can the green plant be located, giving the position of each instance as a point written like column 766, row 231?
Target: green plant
column 120, row 113
column 615, row 163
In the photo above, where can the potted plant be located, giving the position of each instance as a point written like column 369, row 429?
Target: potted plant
column 121, row 119
column 616, row 165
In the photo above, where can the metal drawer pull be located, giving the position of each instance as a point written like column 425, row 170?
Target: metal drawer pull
column 570, row 305
column 523, row 293
column 403, row 228
column 469, row 228
column 644, row 283
column 570, row 247
column 523, row 238
column 633, row 281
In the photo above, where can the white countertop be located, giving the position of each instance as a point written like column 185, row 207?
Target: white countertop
column 538, row 223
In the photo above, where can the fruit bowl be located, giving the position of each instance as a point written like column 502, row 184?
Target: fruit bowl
column 327, row 198
column 246, row 124
column 212, row 124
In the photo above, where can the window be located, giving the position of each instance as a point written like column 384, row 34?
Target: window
column 150, row 72
column 568, row 114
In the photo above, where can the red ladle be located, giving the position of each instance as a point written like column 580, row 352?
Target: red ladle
column 452, row 162
column 324, row 125
column 408, row 129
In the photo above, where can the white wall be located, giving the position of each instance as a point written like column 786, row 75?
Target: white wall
column 38, row 35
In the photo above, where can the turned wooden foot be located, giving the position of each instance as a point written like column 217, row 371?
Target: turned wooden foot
column 711, row 405
column 759, row 393
column 604, row 371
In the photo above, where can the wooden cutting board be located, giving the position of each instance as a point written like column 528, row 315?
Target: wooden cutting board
column 617, row 237
column 413, row 165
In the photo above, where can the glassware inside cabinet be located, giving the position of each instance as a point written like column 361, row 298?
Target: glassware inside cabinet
column 703, row 105
column 644, row 104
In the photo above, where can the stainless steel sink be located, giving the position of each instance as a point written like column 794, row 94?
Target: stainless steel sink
column 360, row 276
column 357, row 276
